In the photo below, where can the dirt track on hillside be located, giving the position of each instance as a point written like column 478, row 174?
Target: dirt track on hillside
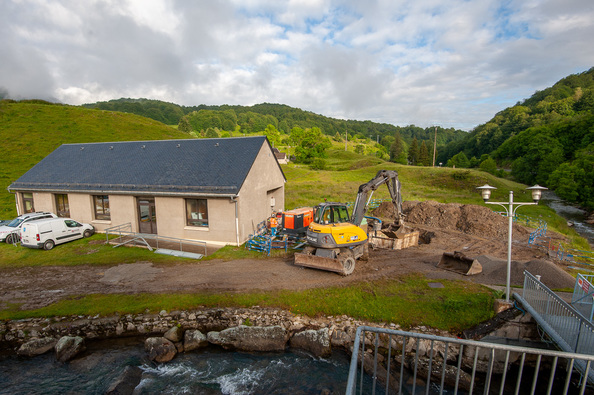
column 474, row 230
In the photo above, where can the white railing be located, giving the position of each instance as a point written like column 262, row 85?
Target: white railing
column 382, row 358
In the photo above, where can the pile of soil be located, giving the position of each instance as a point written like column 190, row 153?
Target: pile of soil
column 467, row 218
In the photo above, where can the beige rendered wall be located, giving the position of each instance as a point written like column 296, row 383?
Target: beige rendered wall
column 264, row 181
column 171, row 220
column 42, row 201
column 122, row 209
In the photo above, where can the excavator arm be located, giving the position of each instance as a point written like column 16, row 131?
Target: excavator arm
column 389, row 177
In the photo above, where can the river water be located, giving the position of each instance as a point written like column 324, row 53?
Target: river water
column 572, row 214
column 209, row 371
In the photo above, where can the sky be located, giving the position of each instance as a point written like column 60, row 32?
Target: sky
column 451, row 63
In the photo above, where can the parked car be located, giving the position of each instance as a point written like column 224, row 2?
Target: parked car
column 10, row 231
column 49, row 232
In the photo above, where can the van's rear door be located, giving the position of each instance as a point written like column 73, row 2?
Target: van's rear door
column 29, row 233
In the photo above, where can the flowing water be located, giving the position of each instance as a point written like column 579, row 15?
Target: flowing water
column 572, row 214
column 209, row 371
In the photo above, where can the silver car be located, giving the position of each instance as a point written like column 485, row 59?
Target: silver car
column 11, row 232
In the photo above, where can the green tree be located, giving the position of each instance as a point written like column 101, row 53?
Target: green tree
column 460, row 160
column 413, row 152
column 273, row 135
column 564, row 181
column 542, row 155
column 489, row 165
column 211, row 133
column 398, row 150
column 184, row 125
column 573, row 181
column 360, row 149
column 309, row 144
column 423, row 159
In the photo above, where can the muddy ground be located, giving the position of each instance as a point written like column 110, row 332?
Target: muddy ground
column 474, row 230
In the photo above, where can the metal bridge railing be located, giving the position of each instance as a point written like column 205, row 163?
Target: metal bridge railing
column 382, row 358
column 565, row 325
column 582, row 299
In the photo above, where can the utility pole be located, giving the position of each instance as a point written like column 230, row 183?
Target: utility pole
column 434, row 146
column 346, row 139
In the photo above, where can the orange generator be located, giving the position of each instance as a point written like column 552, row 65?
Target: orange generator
column 296, row 221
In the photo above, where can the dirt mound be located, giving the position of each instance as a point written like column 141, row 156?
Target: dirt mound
column 466, row 218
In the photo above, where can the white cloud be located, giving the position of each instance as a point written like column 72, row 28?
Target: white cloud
column 453, row 63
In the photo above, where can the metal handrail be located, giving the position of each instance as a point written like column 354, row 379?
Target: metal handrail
column 480, row 363
column 583, row 292
column 568, row 327
column 126, row 230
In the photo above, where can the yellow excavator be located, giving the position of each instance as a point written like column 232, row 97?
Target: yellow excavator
column 335, row 240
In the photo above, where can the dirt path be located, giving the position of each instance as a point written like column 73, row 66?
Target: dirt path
column 41, row 286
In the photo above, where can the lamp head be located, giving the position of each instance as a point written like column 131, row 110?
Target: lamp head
column 486, row 191
column 536, row 192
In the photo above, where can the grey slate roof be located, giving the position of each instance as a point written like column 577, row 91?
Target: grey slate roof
column 196, row 166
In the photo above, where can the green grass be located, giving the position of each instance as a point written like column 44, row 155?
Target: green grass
column 29, row 132
column 408, row 301
column 91, row 251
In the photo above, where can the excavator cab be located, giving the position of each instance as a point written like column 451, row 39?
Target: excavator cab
column 331, row 213
column 331, row 227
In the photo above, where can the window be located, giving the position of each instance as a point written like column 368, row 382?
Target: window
column 196, row 212
column 101, row 203
column 28, row 202
column 72, row 224
column 62, row 208
column 331, row 215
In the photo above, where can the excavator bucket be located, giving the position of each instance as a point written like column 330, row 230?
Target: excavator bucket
column 321, row 263
column 459, row 263
column 394, row 237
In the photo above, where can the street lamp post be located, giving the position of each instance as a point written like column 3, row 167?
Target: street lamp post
column 511, row 212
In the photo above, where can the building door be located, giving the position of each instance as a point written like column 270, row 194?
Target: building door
column 147, row 221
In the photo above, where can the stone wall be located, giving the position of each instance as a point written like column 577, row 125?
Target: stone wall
column 342, row 329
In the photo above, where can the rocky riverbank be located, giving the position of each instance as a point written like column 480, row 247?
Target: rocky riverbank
column 341, row 329
column 247, row 329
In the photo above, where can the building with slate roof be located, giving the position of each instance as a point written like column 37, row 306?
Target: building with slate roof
column 213, row 190
column 281, row 157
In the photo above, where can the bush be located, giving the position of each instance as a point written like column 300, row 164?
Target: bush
column 461, row 175
column 318, row 164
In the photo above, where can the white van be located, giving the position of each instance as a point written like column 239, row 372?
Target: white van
column 46, row 233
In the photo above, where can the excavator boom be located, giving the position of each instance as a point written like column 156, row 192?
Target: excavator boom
column 335, row 241
column 389, row 177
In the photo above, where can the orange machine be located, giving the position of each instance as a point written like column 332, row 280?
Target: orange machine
column 296, row 221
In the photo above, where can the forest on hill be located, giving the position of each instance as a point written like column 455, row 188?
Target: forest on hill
column 547, row 139
column 215, row 120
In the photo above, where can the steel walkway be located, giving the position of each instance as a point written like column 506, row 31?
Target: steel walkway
column 125, row 236
column 566, row 326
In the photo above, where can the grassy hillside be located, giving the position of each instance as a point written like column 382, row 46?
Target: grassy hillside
column 30, row 131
